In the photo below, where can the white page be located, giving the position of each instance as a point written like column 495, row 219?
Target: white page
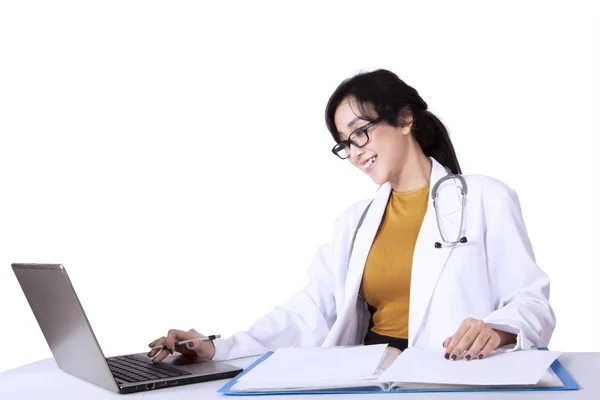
column 522, row 367
column 253, row 386
column 315, row 365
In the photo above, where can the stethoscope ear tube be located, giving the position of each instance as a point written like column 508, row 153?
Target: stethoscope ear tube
column 463, row 192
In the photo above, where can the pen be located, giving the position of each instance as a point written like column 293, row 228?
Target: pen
column 203, row 338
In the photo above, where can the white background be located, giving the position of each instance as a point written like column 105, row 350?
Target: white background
column 173, row 155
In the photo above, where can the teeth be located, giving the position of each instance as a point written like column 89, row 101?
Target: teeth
column 368, row 163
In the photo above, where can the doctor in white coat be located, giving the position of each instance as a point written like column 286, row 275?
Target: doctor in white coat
column 465, row 277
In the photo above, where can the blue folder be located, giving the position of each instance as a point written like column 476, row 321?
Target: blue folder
column 559, row 370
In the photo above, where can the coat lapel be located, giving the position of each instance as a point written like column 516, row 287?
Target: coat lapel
column 364, row 240
column 345, row 329
column 428, row 261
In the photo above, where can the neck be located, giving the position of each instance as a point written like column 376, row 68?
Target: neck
column 414, row 173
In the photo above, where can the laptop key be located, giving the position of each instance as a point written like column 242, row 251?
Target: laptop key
column 146, row 370
column 121, row 377
column 134, row 368
column 167, row 369
column 124, row 364
column 131, row 377
column 139, row 378
column 169, row 372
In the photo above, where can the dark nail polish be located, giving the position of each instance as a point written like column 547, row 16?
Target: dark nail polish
column 190, row 345
column 447, row 356
column 149, row 354
column 453, row 357
column 171, row 351
column 468, row 357
column 480, row 356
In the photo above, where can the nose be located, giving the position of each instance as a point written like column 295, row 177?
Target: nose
column 355, row 152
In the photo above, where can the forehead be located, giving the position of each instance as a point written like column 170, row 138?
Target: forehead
column 346, row 118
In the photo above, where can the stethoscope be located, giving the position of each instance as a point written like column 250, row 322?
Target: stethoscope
column 463, row 194
column 462, row 186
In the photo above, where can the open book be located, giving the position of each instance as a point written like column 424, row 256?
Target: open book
column 379, row 368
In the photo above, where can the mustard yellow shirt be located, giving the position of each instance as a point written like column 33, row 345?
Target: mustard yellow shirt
column 386, row 278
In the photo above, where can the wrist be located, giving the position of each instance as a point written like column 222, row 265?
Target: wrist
column 506, row 337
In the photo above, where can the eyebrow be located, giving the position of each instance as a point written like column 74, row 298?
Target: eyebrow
column 353, row 121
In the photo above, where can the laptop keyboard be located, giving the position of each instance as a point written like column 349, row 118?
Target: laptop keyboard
column 134, row 368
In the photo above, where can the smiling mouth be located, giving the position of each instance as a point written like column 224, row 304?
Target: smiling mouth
column 369, row 163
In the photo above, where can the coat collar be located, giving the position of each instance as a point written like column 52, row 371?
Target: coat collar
column 428, row 261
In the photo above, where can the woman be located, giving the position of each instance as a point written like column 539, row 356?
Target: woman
column 416, row 266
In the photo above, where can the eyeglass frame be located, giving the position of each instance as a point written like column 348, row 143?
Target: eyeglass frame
column 364, row 129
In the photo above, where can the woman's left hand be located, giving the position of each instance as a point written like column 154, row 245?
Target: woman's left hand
column 477, row 339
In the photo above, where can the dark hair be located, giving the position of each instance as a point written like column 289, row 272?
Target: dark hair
column 381, row 92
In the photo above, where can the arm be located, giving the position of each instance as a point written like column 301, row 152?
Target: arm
column 519, row 288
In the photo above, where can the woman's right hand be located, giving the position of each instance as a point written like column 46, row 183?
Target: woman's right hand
column 197, row 349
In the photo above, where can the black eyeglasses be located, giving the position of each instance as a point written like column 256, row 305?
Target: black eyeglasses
column 358, row 138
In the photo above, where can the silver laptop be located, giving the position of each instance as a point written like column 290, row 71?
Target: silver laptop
column 76, row 350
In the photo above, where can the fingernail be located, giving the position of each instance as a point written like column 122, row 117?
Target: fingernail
column 190, row 345
column 447, row 356
column 149, row 354
column 468, row 357
column 453, row 357
column 480, row 356
column 171, row 351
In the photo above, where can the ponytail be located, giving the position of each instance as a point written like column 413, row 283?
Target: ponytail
column 432, row 136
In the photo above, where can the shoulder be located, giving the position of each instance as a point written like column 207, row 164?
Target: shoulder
column 347, row 220
column 492, row 192
column 354, row 211
column 487, row 185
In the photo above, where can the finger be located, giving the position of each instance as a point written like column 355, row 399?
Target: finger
column 186, row 348
column 478, row 344
column 464, row 343
column 455, row 339
column 161, row 355
column 173, row 336
column 153, row 343
column 201, row 349
column 446, row 341
column 182, row 348
column 193, row 347
column 154, row 352
column 156, row 343
column 491, row 344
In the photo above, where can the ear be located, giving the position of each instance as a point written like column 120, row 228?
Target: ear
column 407, row 128
column 405, row 117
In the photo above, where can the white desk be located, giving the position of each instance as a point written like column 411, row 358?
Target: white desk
column 44, row 380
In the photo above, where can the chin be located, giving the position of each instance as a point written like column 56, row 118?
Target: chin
column 379, row 180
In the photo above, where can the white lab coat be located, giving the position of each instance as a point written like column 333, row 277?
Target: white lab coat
column 493, row 277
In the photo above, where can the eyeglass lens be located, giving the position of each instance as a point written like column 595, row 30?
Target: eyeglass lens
column 358, row 138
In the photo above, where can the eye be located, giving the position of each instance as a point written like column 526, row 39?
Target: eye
column 359, row 133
